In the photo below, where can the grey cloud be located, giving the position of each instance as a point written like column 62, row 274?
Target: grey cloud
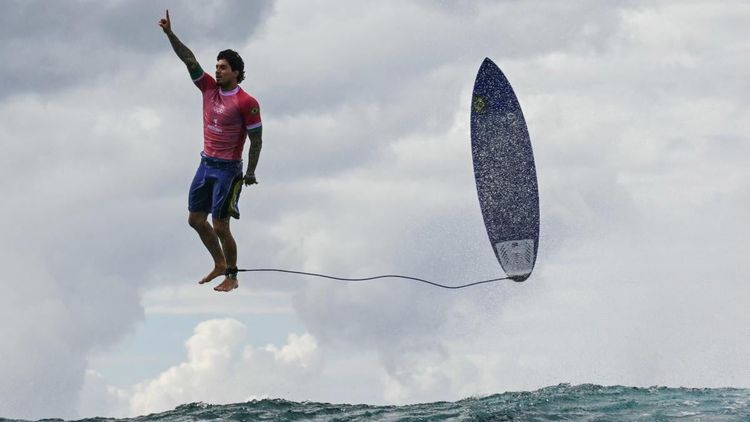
column 51, row 46
column 396, row 71
column 392, row 51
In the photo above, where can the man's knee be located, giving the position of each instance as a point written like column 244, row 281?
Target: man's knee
column 221, row 226
column 197, row 220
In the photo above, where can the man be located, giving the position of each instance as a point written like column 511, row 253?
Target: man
column 229, row 114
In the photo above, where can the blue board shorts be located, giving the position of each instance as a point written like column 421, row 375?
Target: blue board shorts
column 216, row 188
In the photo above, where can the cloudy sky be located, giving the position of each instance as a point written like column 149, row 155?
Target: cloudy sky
column 638, row 113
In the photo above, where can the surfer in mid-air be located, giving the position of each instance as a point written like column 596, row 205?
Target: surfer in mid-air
column 229, row 116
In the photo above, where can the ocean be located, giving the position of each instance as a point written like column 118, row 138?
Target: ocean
column 563, row 402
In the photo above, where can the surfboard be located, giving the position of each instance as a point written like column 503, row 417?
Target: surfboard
column 505, row 172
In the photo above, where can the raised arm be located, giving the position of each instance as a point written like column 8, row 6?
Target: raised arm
column 180, row 49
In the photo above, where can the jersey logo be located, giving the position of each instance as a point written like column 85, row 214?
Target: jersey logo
column 254, row 110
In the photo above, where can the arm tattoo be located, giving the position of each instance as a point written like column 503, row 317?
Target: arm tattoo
column 183, row 52
column 256, row 143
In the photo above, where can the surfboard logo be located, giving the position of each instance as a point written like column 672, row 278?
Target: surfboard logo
column 478, row 104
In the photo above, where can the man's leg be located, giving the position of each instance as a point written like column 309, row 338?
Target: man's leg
column 228, row 245
column 199, row 221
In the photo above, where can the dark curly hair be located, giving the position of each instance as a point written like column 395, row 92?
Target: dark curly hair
column 235, row 62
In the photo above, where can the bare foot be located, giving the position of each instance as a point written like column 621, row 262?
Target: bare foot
column 227, row 285
column 217, row 271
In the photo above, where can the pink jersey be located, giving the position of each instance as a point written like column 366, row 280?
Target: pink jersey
column 227, row 116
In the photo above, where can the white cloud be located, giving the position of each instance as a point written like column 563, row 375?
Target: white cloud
column 300, row 351
column 220, row 367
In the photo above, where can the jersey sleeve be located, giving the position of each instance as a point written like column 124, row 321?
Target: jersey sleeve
column 204, row 81
column 251, row 114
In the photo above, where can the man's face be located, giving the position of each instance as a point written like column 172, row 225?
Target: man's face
column 224, row 74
